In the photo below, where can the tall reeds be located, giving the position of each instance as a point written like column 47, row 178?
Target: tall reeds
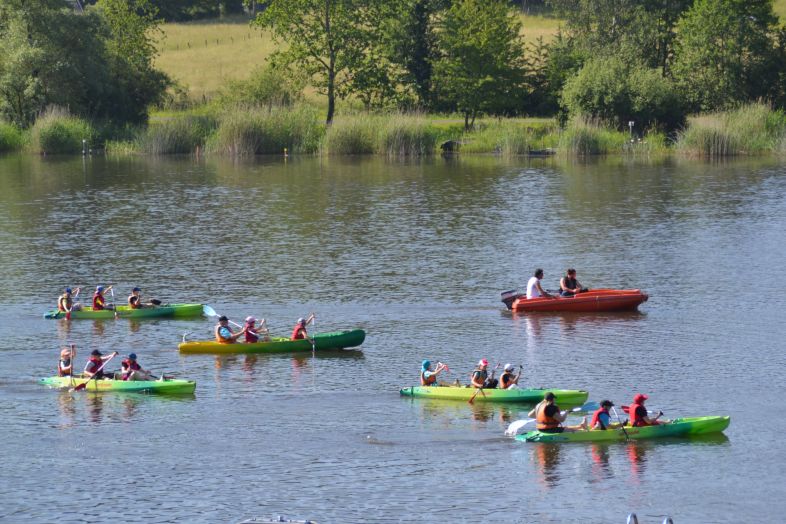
column 179, row 135
column 351, row 135
column 10, row 138
column 58, row 132
column 396, row 135
column 750, row 129
column 584, row 137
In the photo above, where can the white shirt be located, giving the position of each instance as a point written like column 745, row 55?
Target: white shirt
column 532, row 288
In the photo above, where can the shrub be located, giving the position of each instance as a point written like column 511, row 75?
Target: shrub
column 269, row 87
column 57, row 132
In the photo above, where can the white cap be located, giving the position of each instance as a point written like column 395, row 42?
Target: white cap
column 509, row 367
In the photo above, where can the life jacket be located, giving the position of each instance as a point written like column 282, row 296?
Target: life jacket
column 92, row 366
column 596, row 418
column 98, row 301
column 482, row 374
column 219, row 338
column 65, row 303
column 61, row 371
column 506, row 379
column 636, row 418
column 546, row 422
column 570, row 283
column 252, row 335
column 298, row 333
column 130, row 365
column 427, row 380
column 133, row 302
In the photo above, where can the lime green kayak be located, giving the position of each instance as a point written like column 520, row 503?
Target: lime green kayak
column 322, row 342
column 569, row 397
column 166, row 386
column 676, row 428
column 166, row 310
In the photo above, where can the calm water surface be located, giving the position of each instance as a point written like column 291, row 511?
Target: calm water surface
column 415, row 253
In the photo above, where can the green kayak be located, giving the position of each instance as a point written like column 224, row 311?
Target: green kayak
column 166, row 310
column 322, row 342
column 166, row 386
column 567, row 397
column 676, row 428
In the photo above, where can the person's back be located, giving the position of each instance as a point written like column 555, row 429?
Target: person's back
column 534, row 289
column 299, row 332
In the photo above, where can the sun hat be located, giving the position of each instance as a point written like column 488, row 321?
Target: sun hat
column 301, row 320
column 426, row 364
column 639, row 397
column 509, row 367
column 483, row 362
column 250, row 320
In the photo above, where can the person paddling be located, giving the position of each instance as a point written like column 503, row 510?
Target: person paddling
column 131, row 370
column 65, row 302
column 480, row 376
column 638, row 413
column 94, row 366
column 507, row 380
column 65, row 367
column 224, row 334
column 534, row 289
column 299, row 332
column 99, row 302
column 253, row 333
column 601, row 418
column 428, row 376
column 135, row 300
column 569, row 286
column 549, row 419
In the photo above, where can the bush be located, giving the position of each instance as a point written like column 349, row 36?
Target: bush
column 176, row 136
column 749, row 129
column 10, row 137
column 612, row 92
column 406, row 135
column 254, row 132
column 268, row 87
column 57, row 132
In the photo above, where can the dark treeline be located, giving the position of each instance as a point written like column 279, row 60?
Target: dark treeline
column 615, row 61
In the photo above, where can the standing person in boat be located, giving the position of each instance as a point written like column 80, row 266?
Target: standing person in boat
column 601, row 418
column 254, row 333
column 507, row 380
column 299, row 331
column 569, row 286
column 224, row 334
column 65, row 367
column 480, row 376
column 93, row 367
column 549, row 419
column 638, row 413
column 428, row 376
column 534, row 289
column 65, row 302
column 99, row 302
column 131, row 370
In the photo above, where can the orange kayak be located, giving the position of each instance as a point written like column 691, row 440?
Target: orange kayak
column 593, row 300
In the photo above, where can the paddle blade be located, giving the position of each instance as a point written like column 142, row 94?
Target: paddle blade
column 68, row 315
column 519, row 427
column 209, row 311
column 80, row 387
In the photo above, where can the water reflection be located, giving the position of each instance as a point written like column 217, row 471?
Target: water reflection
column 600, row 461
column 546, row 458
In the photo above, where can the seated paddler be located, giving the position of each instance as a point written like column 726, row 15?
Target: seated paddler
column 224, row 334
column 428, row 376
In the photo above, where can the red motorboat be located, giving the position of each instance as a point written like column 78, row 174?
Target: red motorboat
column 589, row 301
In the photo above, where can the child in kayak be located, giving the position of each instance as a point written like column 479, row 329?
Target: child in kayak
column 638, row 413
column 131, row 370
column 299, row 332
column 254, row 333
column 507, row 380
column 65, row 302
column 99, row 302
column 95, row 366
column 601, row 419
column 65, row 367
column 480, row 376
column 428, row 376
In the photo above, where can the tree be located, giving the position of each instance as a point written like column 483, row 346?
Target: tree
column 728, row 51
column 482, row 67
column 329, row 39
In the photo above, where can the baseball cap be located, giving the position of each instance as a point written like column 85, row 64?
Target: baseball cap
column 639, row 397
column 483, row 362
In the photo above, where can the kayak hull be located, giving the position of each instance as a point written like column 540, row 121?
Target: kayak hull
column 676, row 428
column 168, row 310
column 322, row 342
column 571, row 397
column 166, row 386
column 591, row 301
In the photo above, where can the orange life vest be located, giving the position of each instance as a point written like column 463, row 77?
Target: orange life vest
column 219, row 338
column 546, row 422
column 427, row 381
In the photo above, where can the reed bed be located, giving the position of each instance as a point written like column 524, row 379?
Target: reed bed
column 179, row 135
column 10, row 138
column 404, row 135
column 584, row 137
column 58, row 132
column 749, row 129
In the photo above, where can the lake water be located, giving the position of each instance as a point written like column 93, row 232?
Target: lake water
column 416, row 253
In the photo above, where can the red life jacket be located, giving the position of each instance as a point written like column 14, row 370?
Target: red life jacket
column 98, row 301
column 427, row 381
column 130, row 365
column 133, row 302
column 65, row 303
column 596, row 418
column 92, row 366
column 252, row 335
column 635, row 418
column 298, row 333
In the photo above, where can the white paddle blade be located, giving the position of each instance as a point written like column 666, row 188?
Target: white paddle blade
column 209, row 311
column 520, row 427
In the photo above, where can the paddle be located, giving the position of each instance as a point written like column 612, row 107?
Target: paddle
column 209, row 311
column 68, row 310
column 480, row 389
column 622, row 426
column 84, row 384
column 525, row 425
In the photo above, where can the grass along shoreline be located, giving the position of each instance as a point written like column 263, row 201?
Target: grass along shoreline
column 754, row 129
